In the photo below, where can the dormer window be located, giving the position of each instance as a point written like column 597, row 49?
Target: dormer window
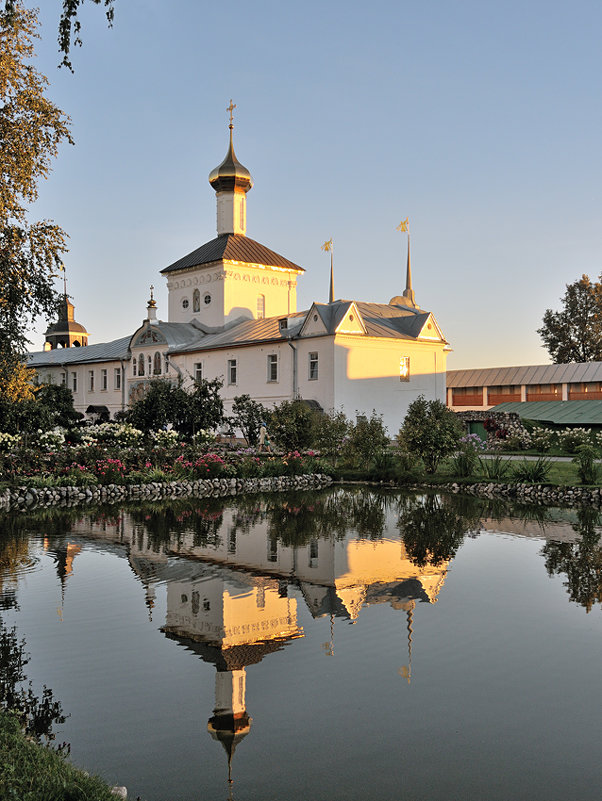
column 283, row 324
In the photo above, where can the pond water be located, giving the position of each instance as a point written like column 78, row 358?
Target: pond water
column 346, row 644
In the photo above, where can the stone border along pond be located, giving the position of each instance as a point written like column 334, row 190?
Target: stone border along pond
column 27, row 498
column 542, row 494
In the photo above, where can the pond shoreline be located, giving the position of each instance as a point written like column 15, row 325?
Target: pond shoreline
column 27, row 498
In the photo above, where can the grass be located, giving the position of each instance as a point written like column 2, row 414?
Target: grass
column 31, row 772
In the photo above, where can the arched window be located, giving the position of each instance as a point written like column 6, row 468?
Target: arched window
column 260, row 307
column 150, row 365
column 141, row 364
column 166, row 362
column 157, row 364
column 196, row 301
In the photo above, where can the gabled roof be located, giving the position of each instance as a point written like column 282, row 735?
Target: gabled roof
column 531, row 374
column 232, row 247
column 379, row 319
column 174, row 334
column 101, row 352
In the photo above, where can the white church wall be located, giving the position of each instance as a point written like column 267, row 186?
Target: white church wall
column 181, row 296
column 367, row 376
column 246, row 283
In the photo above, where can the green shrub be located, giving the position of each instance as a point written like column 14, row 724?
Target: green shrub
column 291, row 425
column 533, row 472
column 430, row 431
column 496, row 468
column 367, row 440
column 585, row 461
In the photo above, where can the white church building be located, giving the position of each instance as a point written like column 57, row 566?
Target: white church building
column 232, row 314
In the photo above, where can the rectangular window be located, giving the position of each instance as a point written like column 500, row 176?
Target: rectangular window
column 232, row 371
column 404, row 368
column 104, row 380
column 74, row 382
column 260, row 307
column 313, row 366
column 91, row 380
column 63, row 379
column 117, row 378
column 198, row 371
column 273, row 367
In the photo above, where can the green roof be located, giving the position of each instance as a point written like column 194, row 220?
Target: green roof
column 568, row 413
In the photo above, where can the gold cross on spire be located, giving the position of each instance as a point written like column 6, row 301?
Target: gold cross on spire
column 231, row 108
column 151, row 289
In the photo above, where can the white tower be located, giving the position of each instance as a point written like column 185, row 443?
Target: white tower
column 231, row 182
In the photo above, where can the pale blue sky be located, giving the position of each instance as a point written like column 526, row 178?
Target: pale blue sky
column 480, row 121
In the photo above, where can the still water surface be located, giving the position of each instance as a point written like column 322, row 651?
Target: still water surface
column 337, row 645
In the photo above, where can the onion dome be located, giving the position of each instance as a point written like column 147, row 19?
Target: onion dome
column 231, row 175
column 66, row 332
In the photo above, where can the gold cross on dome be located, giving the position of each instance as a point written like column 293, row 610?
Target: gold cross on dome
column 231, row 108
column 151, row 289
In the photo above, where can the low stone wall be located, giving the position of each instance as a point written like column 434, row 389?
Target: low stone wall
column 27, row 498
column 530, row 493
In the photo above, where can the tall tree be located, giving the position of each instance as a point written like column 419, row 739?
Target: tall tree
column 31, row 129
column 574, row 334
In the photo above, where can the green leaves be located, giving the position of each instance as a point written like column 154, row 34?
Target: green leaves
column 31, row 130
column 574, row 334
column 430, row 430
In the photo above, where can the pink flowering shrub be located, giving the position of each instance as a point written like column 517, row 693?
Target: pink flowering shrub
column 109, row 471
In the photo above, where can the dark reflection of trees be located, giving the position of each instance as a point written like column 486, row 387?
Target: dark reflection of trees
column 433, row 527
column 581, row 562
column 166, row 521
column 296, row 518
column 36, row 714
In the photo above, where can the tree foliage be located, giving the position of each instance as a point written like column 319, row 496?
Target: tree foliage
column 247, row 414
column 574, row 334
column 69, row 25
column 31, row 129
column 368, row 439
column 291, row 425
column 164, row 404
column 330, row 432
column 430, row 430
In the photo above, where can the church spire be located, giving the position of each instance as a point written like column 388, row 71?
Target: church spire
column 231, row 181
column 329, row 247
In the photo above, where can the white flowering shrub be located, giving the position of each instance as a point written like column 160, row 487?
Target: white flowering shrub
column 203, row 438
column 123, row 434
column 571, row 438
column 8, row 442
column 165, row 439
column 543, row 439
column 50, row 440
column 88, row 436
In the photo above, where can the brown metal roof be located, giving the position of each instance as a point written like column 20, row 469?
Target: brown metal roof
column 232, row 247
column 529, row 374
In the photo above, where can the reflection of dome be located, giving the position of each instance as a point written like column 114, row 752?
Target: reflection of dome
column 230, row 175
column 229, row 730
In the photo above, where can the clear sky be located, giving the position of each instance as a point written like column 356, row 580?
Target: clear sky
column 479, row 120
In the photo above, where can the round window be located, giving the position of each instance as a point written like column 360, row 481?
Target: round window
column 350, row 318
column 315, row 318
column 185, row 303
column 207, row 299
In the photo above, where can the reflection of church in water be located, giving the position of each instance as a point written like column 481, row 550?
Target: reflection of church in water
column 232, row 601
